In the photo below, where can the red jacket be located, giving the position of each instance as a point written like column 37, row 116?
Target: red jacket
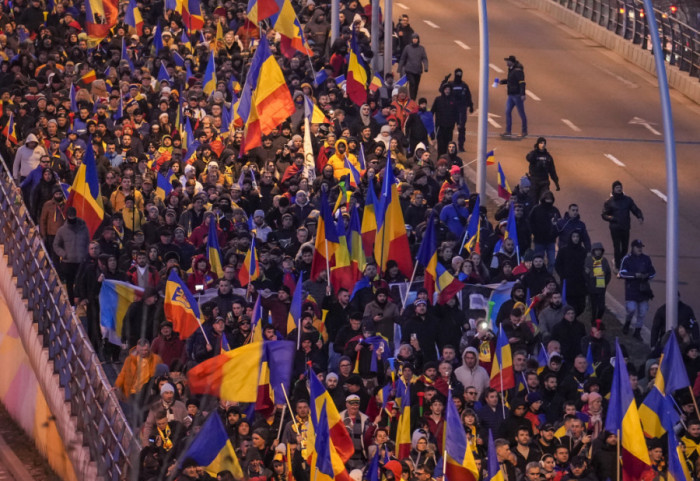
column 169, row 350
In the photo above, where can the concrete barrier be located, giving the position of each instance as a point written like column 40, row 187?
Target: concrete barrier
column 677, row 79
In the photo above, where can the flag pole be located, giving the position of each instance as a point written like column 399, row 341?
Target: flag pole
column 503, row 401
column 618, row 455
column 408, row 288
column 695, row 403
column 328, row 266
column 444, row 464
column 199, row 304
column 291, row 412
column 279, row 430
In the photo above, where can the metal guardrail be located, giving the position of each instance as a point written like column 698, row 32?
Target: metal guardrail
column 100, row 419
column 680, row 41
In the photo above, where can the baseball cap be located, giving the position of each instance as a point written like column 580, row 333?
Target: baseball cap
column 352, row 398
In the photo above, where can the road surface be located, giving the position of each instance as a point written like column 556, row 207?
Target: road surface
column 600, row 114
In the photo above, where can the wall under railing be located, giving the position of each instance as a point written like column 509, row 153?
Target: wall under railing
column 97, row 439
column 621, row 26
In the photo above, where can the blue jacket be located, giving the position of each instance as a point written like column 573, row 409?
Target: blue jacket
column 631, row 266
column 455, row 216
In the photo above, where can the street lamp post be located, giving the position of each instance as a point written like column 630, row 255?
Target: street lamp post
column 671, row 174
column 388, row 32
column 482, row 129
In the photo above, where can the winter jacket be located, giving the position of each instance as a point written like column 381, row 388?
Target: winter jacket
column 169, row 349
column 541, row 166
column 27, row 159
column 632, row 265
column 455, row 216
column 477, row 377
column 131, row 379
column 590, row 272
column 445, row 110
column 72, row 241
column 543, row 229
column 390, row 314
column 570, row 267
column 413, row 59
column 616, row 211
column 566, row 225
column 51, row 218
column 515, row 80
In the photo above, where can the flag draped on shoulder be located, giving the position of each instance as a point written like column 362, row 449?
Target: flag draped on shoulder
column 115, row 299
column 213, row 450
column 85, row 193
column 622, row 418
column 180, row 306
column 391, row 241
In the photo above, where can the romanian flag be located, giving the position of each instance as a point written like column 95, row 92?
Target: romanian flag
column 493, row 469
column 490, row 158
column 355, row 178
column 10, row 132
column 89, row 77
column 192, row 15
column 259, row 10
column 338, row 433
column 230, row 376
column 85, row 193
column 356, row 83
column 437, row 278
column 115, row 299
column 180, row 306
column 654, row 411
column 376, row 83
column 391, row 241
column 275, row 372
column 342, row 273
column 100, row 17
column 403, row 429
column 677, row 464
column 210, row 76
column 256, row 322
column 502, row 375
column 295, row 308
column 213, row 251
column 212, row 449
column 175, row 5
column 622, row 418
column 326, row 238
column 286, row 23
column 504, row 191
column 250, row 270
column 460, row 464
column 163, row 187
column 270, row 101
column 313, row 112
column 133, row 17
column 473, row 243
column 357, row 252
column 326, row 463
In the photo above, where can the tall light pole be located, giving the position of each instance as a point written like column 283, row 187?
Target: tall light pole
column 375, row 35
column 335, row 20
column 482, row 129
column 671, row 174
column 388, row 32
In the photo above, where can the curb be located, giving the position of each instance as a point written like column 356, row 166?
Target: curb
column 12, row 463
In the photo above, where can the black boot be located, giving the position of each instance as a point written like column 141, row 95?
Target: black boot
column 626, row 327
column 637, row 334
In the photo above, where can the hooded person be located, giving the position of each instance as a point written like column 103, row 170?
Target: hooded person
column 412, row 64
column 463, row 96
column 382, row 313
column 543, row 219
column 455, row 215
column 470, row 373
column 337, row 160
column 616, row 211
column 541, row 168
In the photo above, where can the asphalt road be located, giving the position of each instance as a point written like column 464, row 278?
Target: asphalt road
column 600, row 114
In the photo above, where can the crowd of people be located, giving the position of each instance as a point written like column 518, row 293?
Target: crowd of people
column 550, row 426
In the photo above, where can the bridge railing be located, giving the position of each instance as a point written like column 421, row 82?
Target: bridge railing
column 100, row 419
column 681, row 42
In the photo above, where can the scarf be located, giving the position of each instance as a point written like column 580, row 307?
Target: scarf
column 165, row 437
column 598, row 273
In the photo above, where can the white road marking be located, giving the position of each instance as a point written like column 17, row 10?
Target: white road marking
column 660, row 194
column 430, row 24
column 571, row 125
column 532, row 96
column 646, row 124
column 628, row 83
column 496, row 68
column 490, row 119
column 615, row 160
column 463, row 45
column 399, row 4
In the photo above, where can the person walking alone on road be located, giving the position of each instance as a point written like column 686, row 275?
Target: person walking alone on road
column 616, row 211
column 413, row 62
column 516, row 94
column 636, row 269
column 541, row 168
column 445, row 110
column 463, row 98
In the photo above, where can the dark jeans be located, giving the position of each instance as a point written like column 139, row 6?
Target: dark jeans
column 597, row 306
column 462, row 128
column 621, row 242
column 413, row 83
column 444, row 137
column 68, row 273
column 517, row 102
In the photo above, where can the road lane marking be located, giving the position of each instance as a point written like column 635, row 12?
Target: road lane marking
column 615, row 160
column 646, row 124
column 660, row 194
column 571, row 125
column 490, row 119
column 532, row 96
column 628, row 83
column 463, row 45
column 430, row 24
column 496, row 68
column 405, row 7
